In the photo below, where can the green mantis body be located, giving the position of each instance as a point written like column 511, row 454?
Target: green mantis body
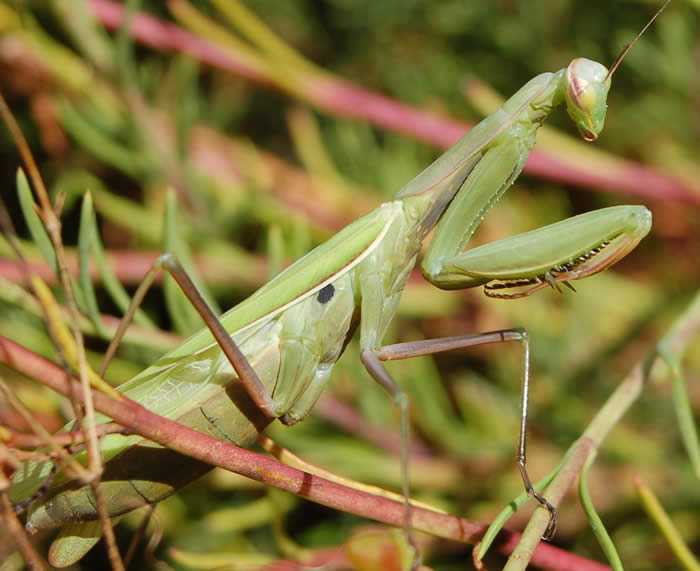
column 294, row 329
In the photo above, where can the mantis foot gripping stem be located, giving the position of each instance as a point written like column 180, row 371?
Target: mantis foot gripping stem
column 548, row 534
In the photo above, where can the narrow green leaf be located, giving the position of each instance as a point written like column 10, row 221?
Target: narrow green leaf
column 112, row 284
column 85, row 246
column 73, row 542
column 684, row 413
column 187, row 110
column 301, row 241
column 38, row 232
column 139, row 221
column 82, row 26
column 663, row 522
column 275, row 251
column 101, row 146
column 673, row 357
column 596, row 523
column 255, row 30
column 114, row 287
column 34, row 223
column 124, row 51
column 184, row 316
column 237, row 560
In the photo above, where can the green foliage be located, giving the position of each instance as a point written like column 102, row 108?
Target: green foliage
column 253, row 175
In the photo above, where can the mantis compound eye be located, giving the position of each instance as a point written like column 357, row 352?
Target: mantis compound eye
column 587, row 85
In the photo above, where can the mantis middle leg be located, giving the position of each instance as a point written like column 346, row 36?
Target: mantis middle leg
column 374, row 362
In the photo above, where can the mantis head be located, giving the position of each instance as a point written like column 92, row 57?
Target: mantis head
column 588, row 83
column 587, row 86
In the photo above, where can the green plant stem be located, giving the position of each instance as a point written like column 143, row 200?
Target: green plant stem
column 673, row 343
column 672, row 353
column 663, row 522
column 595, row 521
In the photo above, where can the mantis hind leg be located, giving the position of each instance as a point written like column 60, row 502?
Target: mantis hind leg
column 249, row 380
column 374, row 360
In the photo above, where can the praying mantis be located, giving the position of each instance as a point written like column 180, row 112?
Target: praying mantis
column 271, row 356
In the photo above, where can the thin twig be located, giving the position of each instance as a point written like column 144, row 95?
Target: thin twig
column 16, row 529
column 665, row 525
column 28, row 441
column 53, row 227
column 74, row 468
column 138, row 536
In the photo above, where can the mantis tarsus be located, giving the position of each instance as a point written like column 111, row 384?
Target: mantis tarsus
column 271, row 356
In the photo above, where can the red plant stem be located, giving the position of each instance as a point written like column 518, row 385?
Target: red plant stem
column 348, row 419
column 343, row 98
column 130, row 267
column 26, row 440
column 329, row 558
column 269, row 471
column 19, row 535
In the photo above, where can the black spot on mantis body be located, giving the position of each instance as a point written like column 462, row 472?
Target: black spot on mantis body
column 326, row 294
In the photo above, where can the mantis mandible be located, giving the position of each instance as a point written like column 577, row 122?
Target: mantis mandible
column 271, row 356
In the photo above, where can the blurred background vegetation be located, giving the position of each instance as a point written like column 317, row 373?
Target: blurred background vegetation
column 265, row 168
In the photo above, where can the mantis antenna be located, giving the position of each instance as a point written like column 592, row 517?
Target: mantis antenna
column 619, row 59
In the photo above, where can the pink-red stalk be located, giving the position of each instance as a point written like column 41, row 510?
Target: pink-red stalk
column 343, row 98
column 269, row 471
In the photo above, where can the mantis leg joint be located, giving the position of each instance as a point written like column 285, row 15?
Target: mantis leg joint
column 168, row 261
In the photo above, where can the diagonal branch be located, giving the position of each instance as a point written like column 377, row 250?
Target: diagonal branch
column 681, row 333
column 271, row 472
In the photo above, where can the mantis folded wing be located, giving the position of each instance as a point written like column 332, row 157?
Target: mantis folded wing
column 271, row 356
